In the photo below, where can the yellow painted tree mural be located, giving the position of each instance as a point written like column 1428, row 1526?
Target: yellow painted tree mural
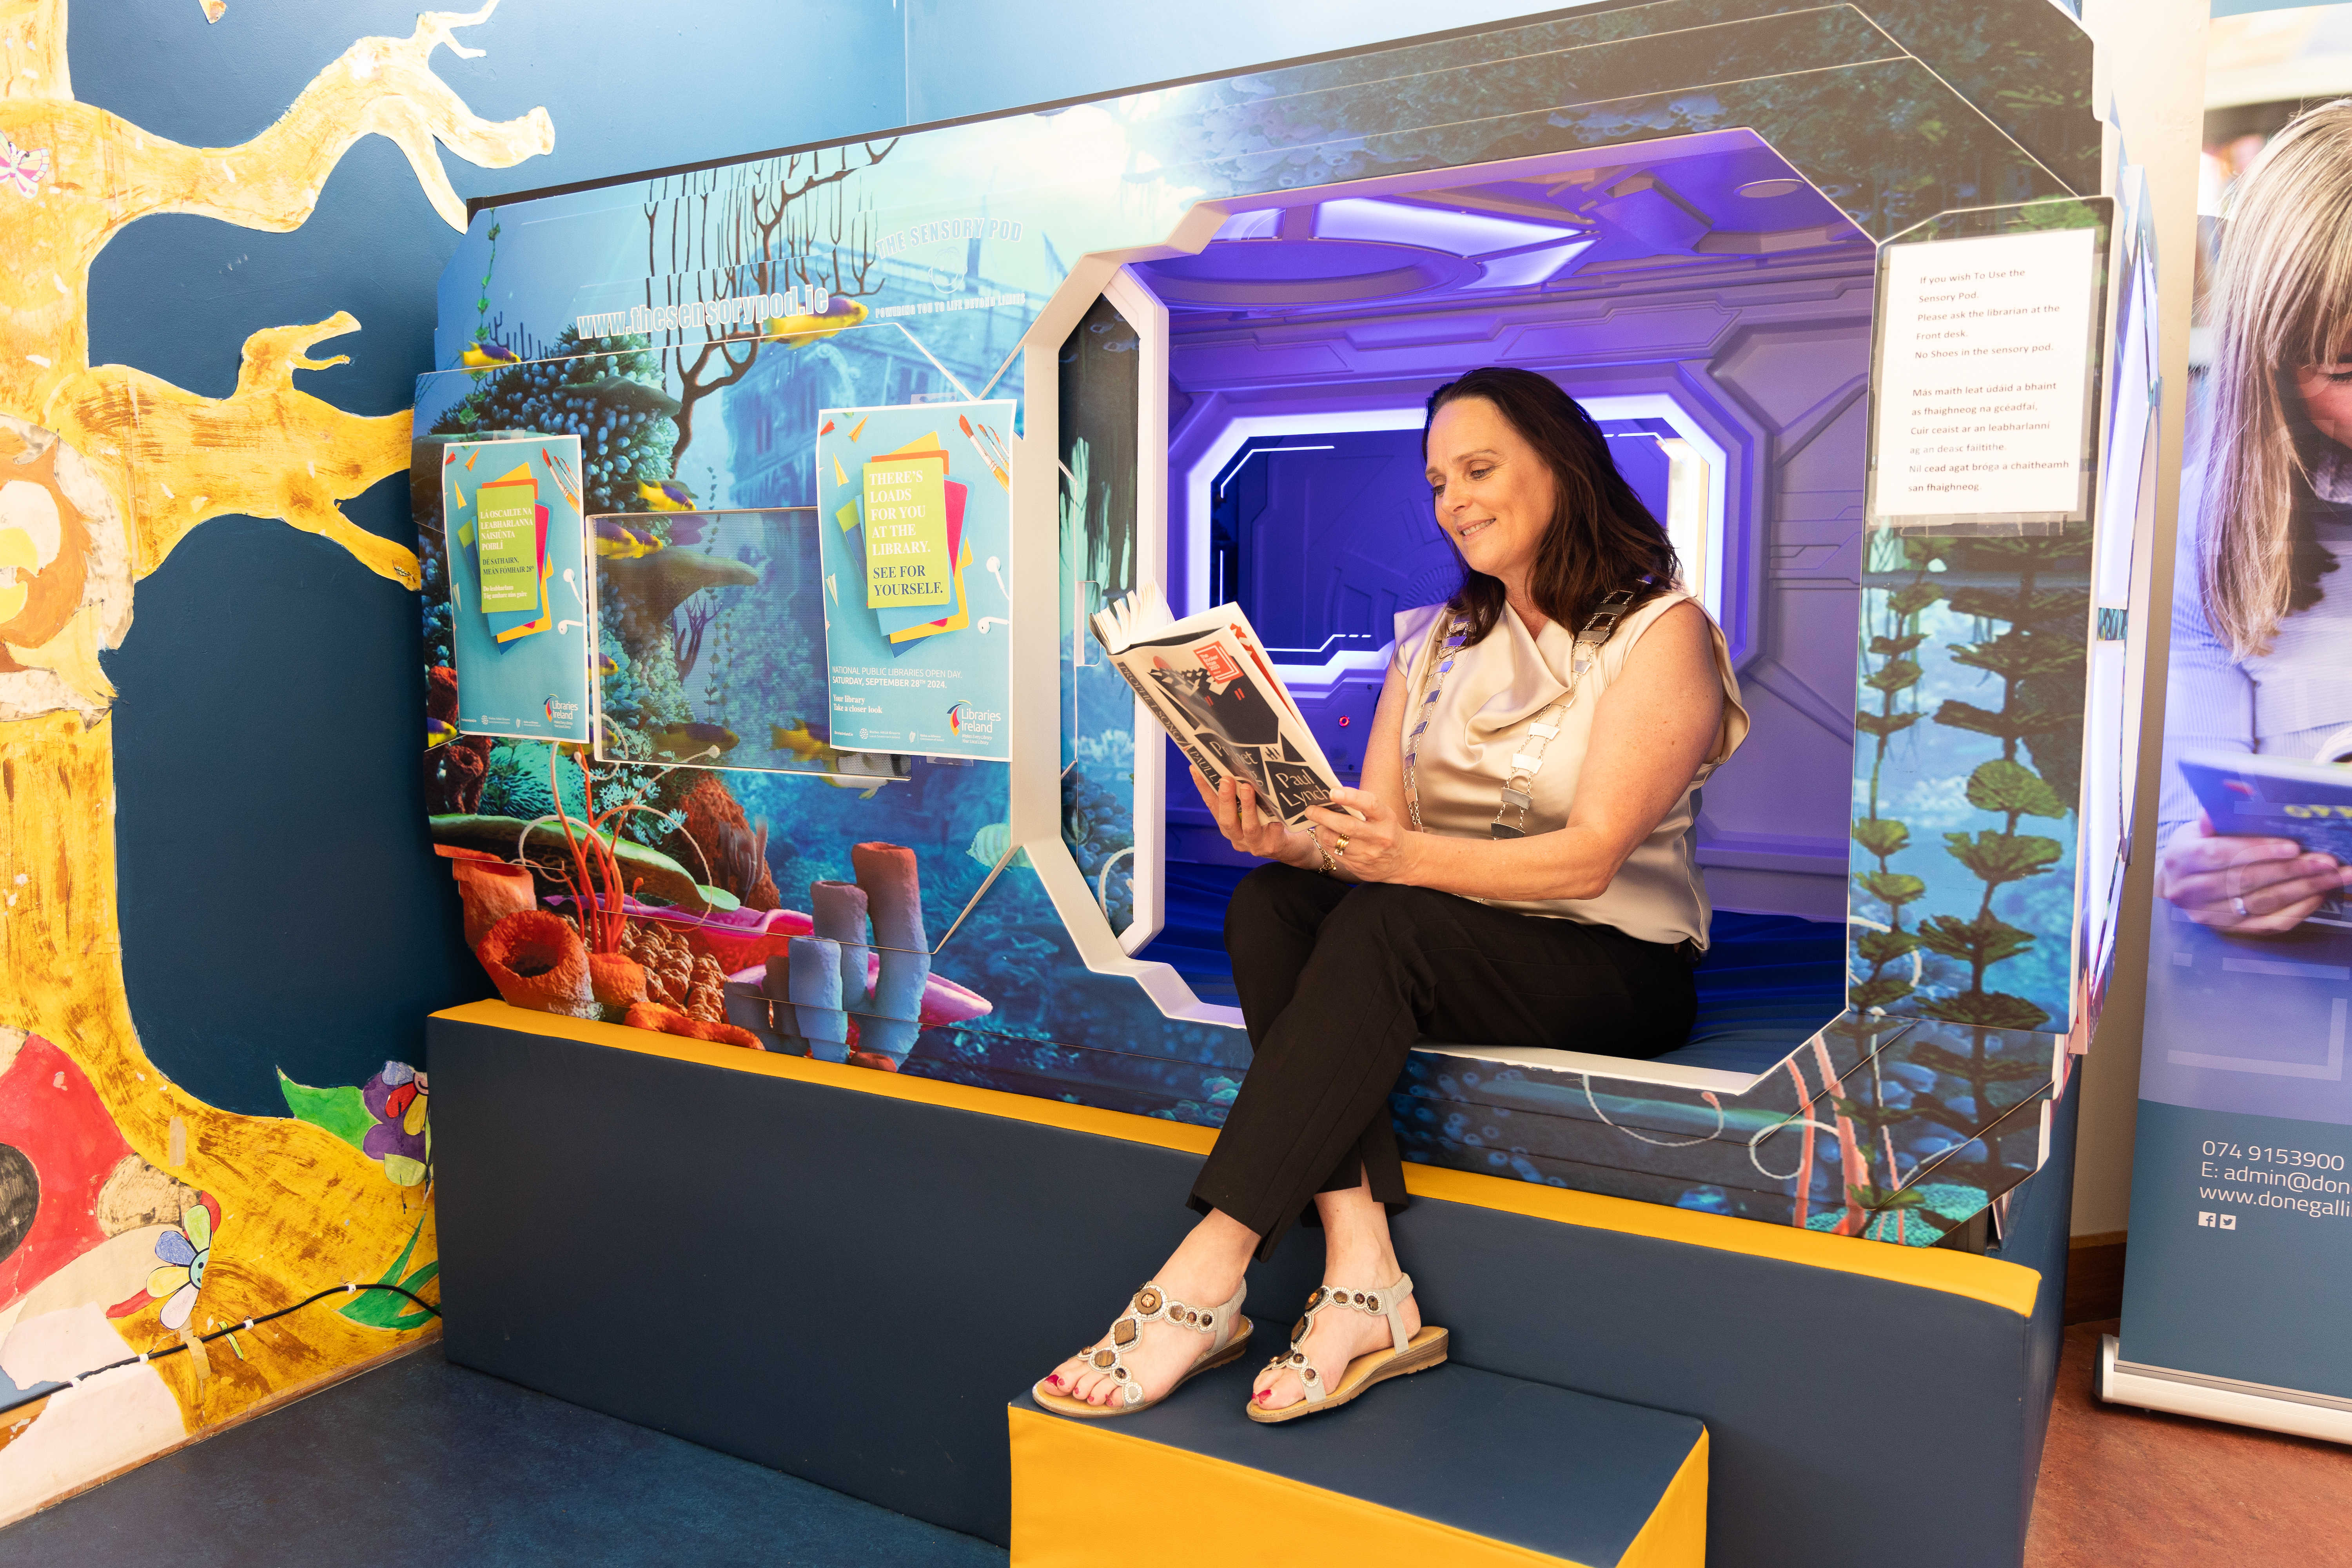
column 201, row 1223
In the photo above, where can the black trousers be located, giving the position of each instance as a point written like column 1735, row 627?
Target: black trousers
column 1338, row 980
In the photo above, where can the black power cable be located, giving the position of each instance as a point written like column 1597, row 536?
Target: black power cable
column 351, row 1290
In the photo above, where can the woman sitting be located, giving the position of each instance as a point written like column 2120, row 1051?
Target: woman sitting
column 1516, row 871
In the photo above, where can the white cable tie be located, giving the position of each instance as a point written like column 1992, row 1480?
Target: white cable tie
column 249, row 1325
column 351, row 1288
column 143, row 1357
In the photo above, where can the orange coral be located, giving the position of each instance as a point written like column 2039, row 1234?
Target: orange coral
column 537, row 961
column 492, row 889
column 661, row 1020
column 735, row 852
column 618, row 981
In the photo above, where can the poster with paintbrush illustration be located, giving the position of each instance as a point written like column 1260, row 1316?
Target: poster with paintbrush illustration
column 518, row 586
column 914, row 524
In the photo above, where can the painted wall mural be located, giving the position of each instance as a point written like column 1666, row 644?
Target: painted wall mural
column 164, row 1264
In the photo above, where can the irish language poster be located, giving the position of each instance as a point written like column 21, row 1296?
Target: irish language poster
column 1983, row 386
column 915, row 521
column 518, row 586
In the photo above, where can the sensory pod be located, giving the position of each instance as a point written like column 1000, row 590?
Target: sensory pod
column 1185, row 334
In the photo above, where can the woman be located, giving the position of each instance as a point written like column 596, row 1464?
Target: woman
column 1471, row 890
column 2261, row 635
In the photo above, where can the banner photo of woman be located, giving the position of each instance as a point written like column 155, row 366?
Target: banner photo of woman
column 2241, row 1198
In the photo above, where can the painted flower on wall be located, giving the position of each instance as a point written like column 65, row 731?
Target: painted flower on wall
column 184, row 1250
column 402, row 1134
column 384, row 1119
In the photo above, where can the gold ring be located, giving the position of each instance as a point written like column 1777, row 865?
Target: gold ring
column 1338, row 846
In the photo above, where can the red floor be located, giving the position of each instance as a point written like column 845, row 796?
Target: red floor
column 2135, row 1488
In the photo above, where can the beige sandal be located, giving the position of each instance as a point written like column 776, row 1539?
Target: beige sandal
column 1418, row 1353
column 1228, row 1333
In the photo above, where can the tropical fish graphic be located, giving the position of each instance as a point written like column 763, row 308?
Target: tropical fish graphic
column 990, row 844
column 680, row 743
column 616, row 540
column 480, row 355
column 668, row 495
column 796, row 332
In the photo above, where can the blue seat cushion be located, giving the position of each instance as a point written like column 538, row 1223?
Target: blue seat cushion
column 1766, row 984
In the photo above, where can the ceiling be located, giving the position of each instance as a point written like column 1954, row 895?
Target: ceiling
column 1574, row 222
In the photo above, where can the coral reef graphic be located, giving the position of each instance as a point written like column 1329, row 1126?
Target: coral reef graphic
column 176, row 1246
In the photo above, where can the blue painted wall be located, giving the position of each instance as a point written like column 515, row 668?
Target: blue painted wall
column 266, row 728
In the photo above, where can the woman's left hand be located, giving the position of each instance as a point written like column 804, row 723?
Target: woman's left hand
column 1374, row 848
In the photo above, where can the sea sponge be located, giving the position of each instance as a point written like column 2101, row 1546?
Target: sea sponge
column 706, row 996
column 441, row 694
column 618, row 981
column 735, row 851
column 669, row 963
column 537, row 961
column 454, row 774
column 661, row 1020
column 491, row 890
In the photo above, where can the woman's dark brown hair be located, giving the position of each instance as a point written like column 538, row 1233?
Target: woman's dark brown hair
column 1601, row 537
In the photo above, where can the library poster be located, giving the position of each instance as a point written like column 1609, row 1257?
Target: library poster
column 518, row 586
column 915, row 529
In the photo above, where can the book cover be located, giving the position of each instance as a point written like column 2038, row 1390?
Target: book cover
column 521, row 631
column 1207, row 681
column 2250, row 796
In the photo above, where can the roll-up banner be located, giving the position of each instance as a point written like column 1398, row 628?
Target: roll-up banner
column 2240, row 1271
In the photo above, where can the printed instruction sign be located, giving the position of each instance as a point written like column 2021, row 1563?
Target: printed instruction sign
column 915, row 547
column 1983, row 377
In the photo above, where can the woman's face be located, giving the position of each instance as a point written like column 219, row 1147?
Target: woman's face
column 1495, row 494
column 2326, row 394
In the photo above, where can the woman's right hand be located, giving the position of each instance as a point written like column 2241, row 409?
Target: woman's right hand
column 1234, row 806
column 2253, row 886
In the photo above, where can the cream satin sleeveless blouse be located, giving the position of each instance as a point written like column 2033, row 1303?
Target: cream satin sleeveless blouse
column 1495, row 690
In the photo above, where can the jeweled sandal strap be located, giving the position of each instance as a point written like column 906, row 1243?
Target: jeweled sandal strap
column 1385, row 1303
column 1297, row 1362
column 1150, row 1305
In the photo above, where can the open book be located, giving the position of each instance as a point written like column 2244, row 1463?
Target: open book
column 1207, row 680
column 2253, row 796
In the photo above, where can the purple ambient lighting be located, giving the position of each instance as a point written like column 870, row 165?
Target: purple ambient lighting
column 1396, row 222
column 1528, row 267
column 1246, row 272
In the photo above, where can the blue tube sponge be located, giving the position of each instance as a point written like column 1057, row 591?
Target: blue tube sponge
column 838, row 912
column 814, row 965
column 776, row 991
column 894, row 894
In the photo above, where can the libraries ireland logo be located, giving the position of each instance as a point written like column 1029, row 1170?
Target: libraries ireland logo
column 966, row 722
